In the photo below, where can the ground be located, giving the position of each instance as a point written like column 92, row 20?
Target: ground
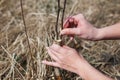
column 18, row 62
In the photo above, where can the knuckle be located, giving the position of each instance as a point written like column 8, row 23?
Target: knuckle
column 78, row 31
column 65, row 51
column 55, row 46
column 60, row 64
column 62, row 50
column 61, row 58
column 72, row 50
column 68, row 31
column 81, row 15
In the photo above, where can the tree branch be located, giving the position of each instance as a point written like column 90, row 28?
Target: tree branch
column 22, row 11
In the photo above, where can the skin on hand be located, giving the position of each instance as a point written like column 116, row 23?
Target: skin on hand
column 65, row 58
column 68, row 59
column 78, row 25
column 110, row 32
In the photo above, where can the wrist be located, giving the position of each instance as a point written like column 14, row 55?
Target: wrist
column 98, row 34
column 82, row 71
column 88, row 72
column 82, row 67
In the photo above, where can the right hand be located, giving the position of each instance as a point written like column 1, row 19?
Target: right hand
column 78, row 25
column 66, row 58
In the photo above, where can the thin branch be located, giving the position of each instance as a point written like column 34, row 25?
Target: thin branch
column 30, row 52
column 63, row 14
column 58, row 13
column 62, row 19
column 23, row 17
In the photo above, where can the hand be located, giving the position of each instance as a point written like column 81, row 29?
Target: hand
column 68, row 59
column 77, row 25
column 65, row 58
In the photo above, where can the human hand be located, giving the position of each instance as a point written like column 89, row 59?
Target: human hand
column 78, row 25
column 65, row 58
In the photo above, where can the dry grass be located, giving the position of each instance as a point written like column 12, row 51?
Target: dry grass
column 16, row 61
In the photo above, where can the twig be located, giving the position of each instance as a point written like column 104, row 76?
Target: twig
column 62, row 19
column 28, row 73
column 57, row 71
column 56, row 25
column 13, row 62
column 63, row 14
column 23, row 17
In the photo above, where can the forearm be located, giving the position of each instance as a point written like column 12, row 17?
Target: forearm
column 109, row 33
column 90, row 73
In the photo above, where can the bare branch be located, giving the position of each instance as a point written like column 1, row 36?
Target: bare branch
column 63, row 14
column 23, row 17
column 58, row 13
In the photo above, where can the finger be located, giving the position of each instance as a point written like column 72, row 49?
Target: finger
column 73, row 20
column 51, row 63
column 54, row 52
column 58, row 48
column 53, row 56
column 78, row 17
column 70, row 31
column 71, row 38
column 67, row 22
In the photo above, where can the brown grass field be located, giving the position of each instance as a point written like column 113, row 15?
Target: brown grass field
column 18, row 62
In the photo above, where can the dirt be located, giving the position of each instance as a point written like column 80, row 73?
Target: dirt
column 19, row 62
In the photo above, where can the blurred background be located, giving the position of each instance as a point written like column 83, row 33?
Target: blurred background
column 18, row 62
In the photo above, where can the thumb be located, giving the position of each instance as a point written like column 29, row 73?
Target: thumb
column 70, row 31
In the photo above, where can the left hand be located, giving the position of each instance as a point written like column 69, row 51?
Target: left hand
column 68, row 59
column 65, row 57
